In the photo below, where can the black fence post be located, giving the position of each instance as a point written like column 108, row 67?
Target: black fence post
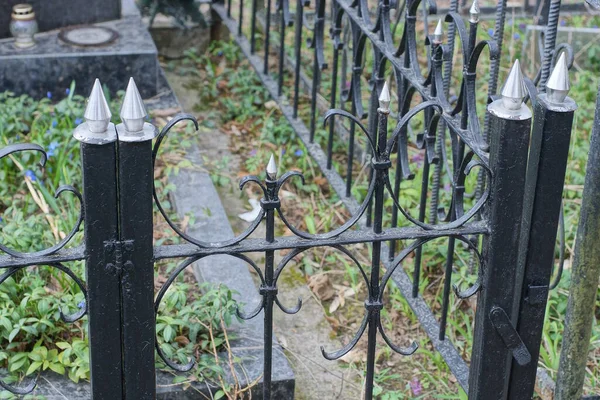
column 552, row 123
column 135, row 242
column 495, row 337
column 98, row 159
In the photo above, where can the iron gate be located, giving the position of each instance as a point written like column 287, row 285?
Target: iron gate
column 510, row 226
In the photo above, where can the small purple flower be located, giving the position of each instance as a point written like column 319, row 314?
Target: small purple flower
column 563, row 22
column 491, row 32
column 67, row 91
column 81, row 304
column 220, row 53
column 416, row 387
column 298, row 153
column 78, row 121
column 31, row 175
column 447, row 187
column 1, row 220
column 516, row 36
column 54, row 123
column 51, row 147
column 522, row 27
column 283, row 151
column 252, row 152
column 417, row 158
column 49, row 95
column 48, row 132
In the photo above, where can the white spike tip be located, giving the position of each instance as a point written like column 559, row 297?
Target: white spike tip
column 439, row 32
column 384, row 98
column 133, row 111
column 558, row 85
column 474, row 12
column 514, row 88
column 97, row 113
column 272, row 168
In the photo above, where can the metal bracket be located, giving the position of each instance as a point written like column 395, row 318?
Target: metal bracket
column 117, row 256
column 509, row 336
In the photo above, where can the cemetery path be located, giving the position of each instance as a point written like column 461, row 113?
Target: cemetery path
column 301, row 335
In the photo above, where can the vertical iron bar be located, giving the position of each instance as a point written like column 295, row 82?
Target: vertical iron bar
column 495, row 65
column 457, row 163
column 252, row 25
column 281, row 48
column 103, row 284
column 373, row 304
column 398, row 177
column 403, row 87
column 543, row 196
column 441, row 131
column 269, row 291
column 298, row 53
column 135, row 219
column 313, row 96
column 334, row 73
column 350, row 153
column 242, row 17
column 267, row 36
column 422, row 210
column 549, row 38
column 373, row 121
column 509, row 142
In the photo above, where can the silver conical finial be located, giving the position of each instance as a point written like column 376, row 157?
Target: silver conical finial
column 558, row 85
column 97, row 114
column 514, row 88
column 384, row 98
column 133, row 111
column 272, row 168
column 438, row 33
column 474, row 12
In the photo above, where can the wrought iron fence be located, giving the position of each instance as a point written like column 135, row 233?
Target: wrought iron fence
column 508, row 224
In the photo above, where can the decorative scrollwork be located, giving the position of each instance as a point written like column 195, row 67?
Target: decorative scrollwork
column 69, row 318
column 16, row 148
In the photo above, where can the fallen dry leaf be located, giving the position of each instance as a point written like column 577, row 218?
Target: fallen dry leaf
column 321, row 286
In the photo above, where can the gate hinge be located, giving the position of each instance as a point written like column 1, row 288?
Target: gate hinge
column 510, row 336
column 117, row 255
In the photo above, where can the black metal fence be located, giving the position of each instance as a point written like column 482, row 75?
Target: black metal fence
column 508, row 223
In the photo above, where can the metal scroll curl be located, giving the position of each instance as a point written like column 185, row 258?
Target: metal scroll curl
column 165, row 287
column 372, row 310
column 16, row 148
column 69, row 318
column 251, row 228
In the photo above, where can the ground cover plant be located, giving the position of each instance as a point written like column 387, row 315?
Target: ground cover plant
column 33, row 338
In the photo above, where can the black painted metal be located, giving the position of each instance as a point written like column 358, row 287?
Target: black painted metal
column 136, row 180
column 104, row 282
column 509, row 141
column 545, row 176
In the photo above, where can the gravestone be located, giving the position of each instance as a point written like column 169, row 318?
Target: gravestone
column 78, row 53
column 53, row 14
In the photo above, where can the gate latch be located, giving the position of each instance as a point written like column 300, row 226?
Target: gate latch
column 117, row 256
column 510, row 336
